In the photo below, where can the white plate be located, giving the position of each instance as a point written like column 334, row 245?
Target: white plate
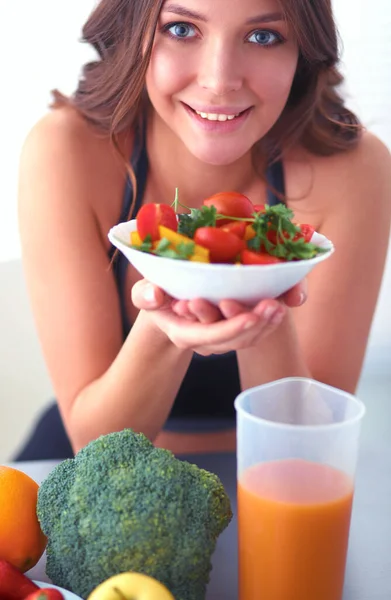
column 67, row 595
column 185, row 280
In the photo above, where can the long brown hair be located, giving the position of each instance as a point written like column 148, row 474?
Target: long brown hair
column 111, row 90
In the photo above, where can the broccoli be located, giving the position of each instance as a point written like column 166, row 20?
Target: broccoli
column 123, row 505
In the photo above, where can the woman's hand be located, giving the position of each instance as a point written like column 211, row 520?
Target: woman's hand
column 208, row 329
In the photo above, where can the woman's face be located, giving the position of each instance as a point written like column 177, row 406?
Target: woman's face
column 220, row 73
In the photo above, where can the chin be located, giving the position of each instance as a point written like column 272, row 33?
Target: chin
column 212, row 154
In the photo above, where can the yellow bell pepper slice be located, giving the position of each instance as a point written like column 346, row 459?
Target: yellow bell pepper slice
column 177, row 238
column 135, row 239
column 199, row 258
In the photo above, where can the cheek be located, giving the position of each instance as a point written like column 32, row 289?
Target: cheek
column 166, row 73
column 275, row 81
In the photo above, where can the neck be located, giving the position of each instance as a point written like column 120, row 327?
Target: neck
column 173, row 166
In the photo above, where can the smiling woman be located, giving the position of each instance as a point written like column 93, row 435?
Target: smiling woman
column 206, row 96
column 223, row 78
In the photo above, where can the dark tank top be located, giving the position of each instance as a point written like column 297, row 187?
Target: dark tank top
column 211, row 383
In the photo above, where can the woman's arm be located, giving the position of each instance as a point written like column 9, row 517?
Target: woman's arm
column 326, row 338
column 101, row 384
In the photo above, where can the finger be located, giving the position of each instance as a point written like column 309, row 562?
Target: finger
column 204, row 311
column 297, row 295
column 147, row 296
column 270, row 311
column 246, row 339
column 190, row 335
column 231, row 308
column 181, row 308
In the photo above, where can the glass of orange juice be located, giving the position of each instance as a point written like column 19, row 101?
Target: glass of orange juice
column 297, row 447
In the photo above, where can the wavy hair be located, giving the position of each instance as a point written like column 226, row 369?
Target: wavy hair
column 111, row 90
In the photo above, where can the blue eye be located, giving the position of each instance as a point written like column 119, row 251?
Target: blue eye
column 180, row 30
column 263, row 37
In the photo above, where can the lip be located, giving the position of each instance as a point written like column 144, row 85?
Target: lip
column 218, row 126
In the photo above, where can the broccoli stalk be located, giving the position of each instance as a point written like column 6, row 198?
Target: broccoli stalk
column 123, row 505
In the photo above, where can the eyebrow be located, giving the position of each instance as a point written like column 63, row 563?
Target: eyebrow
column 185, row 12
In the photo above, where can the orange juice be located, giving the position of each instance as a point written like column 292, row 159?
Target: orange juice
column 294, row 519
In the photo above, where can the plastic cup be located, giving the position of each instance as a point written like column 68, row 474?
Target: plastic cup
column 297, row 448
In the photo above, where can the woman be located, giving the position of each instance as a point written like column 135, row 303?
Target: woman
column 120, row 353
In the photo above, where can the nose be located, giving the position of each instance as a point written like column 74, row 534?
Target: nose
column 220, row 69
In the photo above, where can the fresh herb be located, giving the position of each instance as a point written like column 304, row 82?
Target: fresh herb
column 183, row 250
column 296, row 250
column 198, row 217
column 145, row 246
column 285, row 242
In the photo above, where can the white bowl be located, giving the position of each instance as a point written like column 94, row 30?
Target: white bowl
column 185, row 280
column 67, row 595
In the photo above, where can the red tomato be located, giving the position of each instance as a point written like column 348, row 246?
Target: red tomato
column 223, row 246
column 248, row 257
column 259, row 208
column 236, row 227
column 307, row 232
column 150, row 216
column 272, row 236
column 231, row 204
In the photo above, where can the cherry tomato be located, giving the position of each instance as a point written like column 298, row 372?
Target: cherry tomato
column 248, row 257
column 223, row 246
column 150, row 216
column 259, row 208
column 231, row 204
column 307, row 232
column 237, row 228
column 272, row 236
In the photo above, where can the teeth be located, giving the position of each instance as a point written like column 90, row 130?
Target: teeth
column 214, row 117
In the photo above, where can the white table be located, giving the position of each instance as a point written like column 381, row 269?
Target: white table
column 368, row 574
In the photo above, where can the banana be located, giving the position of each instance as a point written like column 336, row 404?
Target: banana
column 131, row 586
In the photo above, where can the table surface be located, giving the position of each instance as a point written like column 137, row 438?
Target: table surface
column 368, row 575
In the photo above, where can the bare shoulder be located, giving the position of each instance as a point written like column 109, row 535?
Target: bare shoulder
column 66, row 154
column 353, row 182
column 370, row 158
column 64, row 137
column 358, row 176
column 60, row 129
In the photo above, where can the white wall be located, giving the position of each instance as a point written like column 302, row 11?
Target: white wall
column 39, row 50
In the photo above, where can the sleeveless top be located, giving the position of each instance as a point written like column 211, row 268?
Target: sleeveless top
column 211, row 383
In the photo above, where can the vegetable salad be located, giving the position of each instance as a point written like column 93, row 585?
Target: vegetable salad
column 228, row 228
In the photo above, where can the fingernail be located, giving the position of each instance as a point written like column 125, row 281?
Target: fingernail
column 302, row 298
column 270, row 311
column 250, row 323
column 149, row 294
column 304, row 292
column 277, row 317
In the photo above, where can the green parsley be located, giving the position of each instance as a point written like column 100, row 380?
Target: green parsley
column 277, row 219
column 145, row 246
column 198, row 217
column 183, row 251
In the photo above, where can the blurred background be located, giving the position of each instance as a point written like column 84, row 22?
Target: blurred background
column 40, row 50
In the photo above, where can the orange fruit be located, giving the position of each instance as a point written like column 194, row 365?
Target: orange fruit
column 22, row 542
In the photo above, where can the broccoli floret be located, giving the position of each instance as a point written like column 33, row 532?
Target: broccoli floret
column 123, row 505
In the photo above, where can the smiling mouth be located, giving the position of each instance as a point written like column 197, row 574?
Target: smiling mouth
column 218, row 116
